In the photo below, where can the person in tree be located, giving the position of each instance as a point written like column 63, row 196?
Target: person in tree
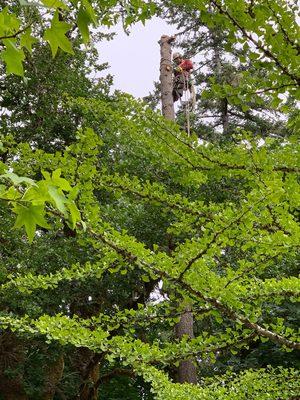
column 182, row 81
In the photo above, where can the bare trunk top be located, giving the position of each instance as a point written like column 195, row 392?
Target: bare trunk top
column 166, row 77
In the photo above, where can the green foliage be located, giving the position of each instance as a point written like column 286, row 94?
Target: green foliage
column 130, row 207
column 259, row 224
column 13, row 57
column 30, row 200
column 52, row 17
column 55, row 35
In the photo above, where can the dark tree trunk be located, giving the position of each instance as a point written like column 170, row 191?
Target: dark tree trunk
column 12, row 357
column 87, row 364
column 53, row 374
column 220, row 80
column 224, row 115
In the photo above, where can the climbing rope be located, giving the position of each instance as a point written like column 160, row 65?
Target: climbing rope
column 189, row 100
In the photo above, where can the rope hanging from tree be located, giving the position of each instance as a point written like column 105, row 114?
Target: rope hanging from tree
column 189, row 102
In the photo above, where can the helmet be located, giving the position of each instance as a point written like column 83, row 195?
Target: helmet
column 176, row 55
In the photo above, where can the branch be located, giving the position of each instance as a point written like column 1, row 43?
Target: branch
column 216, row 350
column 266, row 51
column 152, row 197
column 224, row 309
column 247, row 270
column 271, row 89
column 280, row 168
column 285, row 34
column 116, row 372
column 231, row 314
column 14, row 35
column 214, row 239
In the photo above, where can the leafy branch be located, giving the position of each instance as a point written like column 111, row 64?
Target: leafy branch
column 224, row 309
column 268, row 53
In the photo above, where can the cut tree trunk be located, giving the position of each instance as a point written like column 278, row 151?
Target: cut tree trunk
column 166, row 79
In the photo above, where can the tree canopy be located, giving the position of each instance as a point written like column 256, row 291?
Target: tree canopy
column 114, row 220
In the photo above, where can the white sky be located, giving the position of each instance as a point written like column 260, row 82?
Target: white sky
column 134, row 60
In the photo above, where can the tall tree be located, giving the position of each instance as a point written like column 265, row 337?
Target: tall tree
column 186, row 369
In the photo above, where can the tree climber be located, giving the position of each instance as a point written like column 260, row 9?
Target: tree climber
column 182, row 77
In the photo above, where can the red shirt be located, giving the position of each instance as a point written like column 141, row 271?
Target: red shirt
column 186, row 65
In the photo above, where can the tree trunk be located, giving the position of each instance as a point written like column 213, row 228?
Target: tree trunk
column 12, row 357
column 224, row 115
column 87, row 364
column 186, row 370
column 166, row 79
column 220, row 80
column 53, row 374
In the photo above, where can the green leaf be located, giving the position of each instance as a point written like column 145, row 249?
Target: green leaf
column 13, row 57
column 38, row 194
column 55, row 36
column 30, row 217
column 11, row 194
column 58, row 198
column 60, row 182
column 27, row 40
column 55, row 4
column 145, row 278
column 56, row 180
column 89, row 9
column 18, row 179
column 73, row 193
column 9, row 23
column 74, row 214
column 83, row 21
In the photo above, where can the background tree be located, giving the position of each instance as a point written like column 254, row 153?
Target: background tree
column 226, row 76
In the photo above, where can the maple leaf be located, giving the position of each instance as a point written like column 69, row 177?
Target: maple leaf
column 55, row 36
column 13, row 58
column 27, row 40
column 29, row 217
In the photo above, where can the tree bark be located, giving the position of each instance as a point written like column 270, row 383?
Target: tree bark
column 87, row 364
column 166, row 78
column 12, row 357
column 186, row 370
column 220, row 80
column 53, row 374
column 224, row 115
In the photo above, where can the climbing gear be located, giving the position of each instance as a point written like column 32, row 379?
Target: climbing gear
column 181, row 79
column 178, row 86
column 183, row 88
column 189, row 102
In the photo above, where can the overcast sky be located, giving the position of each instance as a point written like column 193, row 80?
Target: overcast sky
column 134, row 59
